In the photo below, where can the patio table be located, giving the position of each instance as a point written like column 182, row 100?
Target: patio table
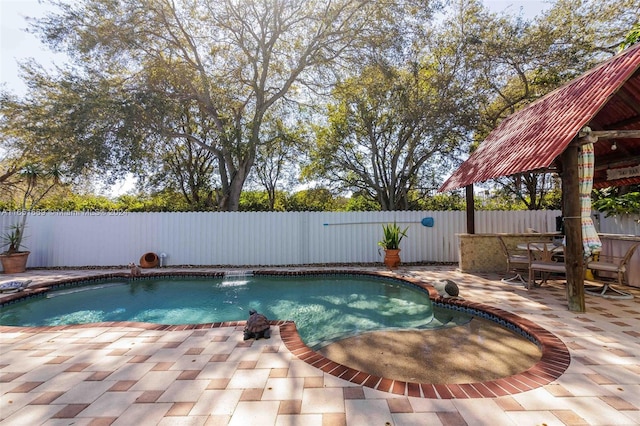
column 546, row 250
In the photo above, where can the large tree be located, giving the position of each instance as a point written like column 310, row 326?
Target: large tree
column 228, row 61
column 183, row 166
column 278, row 158
column 391, row 130
column 84, row 125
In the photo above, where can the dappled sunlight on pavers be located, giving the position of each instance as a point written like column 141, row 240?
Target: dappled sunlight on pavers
column 121, row 373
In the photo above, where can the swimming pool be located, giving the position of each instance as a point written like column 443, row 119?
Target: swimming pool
column 325, row 308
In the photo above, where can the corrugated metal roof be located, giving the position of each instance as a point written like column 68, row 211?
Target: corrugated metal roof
column 533, row 137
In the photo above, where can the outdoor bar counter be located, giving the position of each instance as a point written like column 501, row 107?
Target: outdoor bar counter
column 482, row 252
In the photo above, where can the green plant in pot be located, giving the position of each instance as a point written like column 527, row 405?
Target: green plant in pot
column 14, row 260
column 12, row 239
column 35, row 182
column 392, row 235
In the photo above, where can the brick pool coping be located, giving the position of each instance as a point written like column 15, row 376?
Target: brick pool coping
column 553, row 363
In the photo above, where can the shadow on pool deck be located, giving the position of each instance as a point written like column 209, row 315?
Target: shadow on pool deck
column 123, row 373
column 479, row 351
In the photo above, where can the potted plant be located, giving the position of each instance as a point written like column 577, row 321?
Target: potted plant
column 13, row 259
column 34, row 182
column 392, row 235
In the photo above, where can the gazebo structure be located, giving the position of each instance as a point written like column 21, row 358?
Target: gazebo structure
column 601, row 107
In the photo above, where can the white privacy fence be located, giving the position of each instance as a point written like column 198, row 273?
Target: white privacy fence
column 627, row 224
column 254, row 238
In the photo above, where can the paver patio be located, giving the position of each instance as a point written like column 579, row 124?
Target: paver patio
column 124, row 374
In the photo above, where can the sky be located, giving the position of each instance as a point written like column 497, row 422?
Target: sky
column 17, row 45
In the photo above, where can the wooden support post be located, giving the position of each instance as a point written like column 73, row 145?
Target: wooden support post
column 573, row 257
column 471, row 209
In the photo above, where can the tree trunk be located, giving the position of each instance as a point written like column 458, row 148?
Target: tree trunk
column 231, row 200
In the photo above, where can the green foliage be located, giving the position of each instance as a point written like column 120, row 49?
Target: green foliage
column 499, row 202
column 442, row 202
column 552, row 200
column 392, row 235
column 73, row 121
column 13, row 239
column 504, row 198
column 209, row 105
column 361, row 203
column 33, row 182
column 162, row 201
column 185, row 173
column 132, row 203
column 612, row 205
column 312, row 200
column 77, row 203
column 520, row 61
column 391, row 130
column 258, row 201
column 175, row 201
column 632, row 37
column 212, row 77
column 528, row 190
column 276, row 164
column 254, row 201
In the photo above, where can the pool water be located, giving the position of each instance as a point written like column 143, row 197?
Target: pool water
column 325, row 308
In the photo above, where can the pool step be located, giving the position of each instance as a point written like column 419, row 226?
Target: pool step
column 81, row 289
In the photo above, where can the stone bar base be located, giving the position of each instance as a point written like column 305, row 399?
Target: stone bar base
column 482, row 252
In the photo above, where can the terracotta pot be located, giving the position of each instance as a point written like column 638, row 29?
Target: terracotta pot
column 149, row 260
column 14, row 263
column 392, row 258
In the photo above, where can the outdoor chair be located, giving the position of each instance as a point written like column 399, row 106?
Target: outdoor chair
column 615, row 265
column 515, row 263
column 544, row 257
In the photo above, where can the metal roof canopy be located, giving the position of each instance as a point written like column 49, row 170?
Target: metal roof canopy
column 606, row 98
column 548, row 132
